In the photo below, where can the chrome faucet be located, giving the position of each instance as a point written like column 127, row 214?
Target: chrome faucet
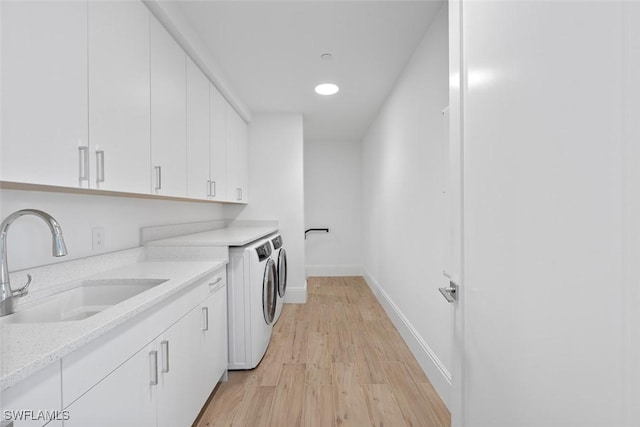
column 59, row 249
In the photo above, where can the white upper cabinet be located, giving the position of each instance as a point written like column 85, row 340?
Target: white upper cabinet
column 43, row 91
column 218, row 140
column 237, row 157
column 168, row 114
column 198, row 182
column 206, row 137
column 119, row 96
column 98, row 95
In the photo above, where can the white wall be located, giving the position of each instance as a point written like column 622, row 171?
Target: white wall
column 276, row 184
column 403, row 206
column 333, row 199
column 29, row 239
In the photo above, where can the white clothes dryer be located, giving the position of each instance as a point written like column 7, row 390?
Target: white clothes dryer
column 252, row 295
column 279, row 256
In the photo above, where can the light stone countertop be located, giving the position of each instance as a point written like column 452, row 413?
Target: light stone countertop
column 25, row 348
column 229, row 236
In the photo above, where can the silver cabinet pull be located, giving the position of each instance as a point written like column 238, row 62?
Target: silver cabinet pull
column 212, row 285
column 99, row 166
column 153, row 367
column 164, row 348
column 212, row 188
column 83, row 163
column 239, row 193
column 450, row 293
column 158, row 178
column 205, row 318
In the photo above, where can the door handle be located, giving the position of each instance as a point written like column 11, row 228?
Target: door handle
column 158, row 178
column 450, row 293
column 99, row 166
column 153, row 367
column 164, row 348
column 205, row 319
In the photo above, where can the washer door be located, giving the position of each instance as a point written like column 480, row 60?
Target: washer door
column 282, row 272
column 269, row 292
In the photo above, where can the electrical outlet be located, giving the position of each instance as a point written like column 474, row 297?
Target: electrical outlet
column 97, row 234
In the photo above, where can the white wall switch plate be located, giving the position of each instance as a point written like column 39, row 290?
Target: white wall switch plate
column 97, row 238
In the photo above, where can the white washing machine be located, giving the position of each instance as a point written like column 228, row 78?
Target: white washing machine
column 252, row 296
column 279, row 256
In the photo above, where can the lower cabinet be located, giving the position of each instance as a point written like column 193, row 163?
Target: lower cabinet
column 36, row 401
column 165, row 382
column 125, row 397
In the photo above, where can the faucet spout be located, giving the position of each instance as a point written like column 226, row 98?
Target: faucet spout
column 59, row 249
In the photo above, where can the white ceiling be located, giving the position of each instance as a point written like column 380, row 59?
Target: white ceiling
column 270, row 52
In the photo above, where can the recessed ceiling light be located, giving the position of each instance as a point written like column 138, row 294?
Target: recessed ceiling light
column 327, row 89
column 326, row 56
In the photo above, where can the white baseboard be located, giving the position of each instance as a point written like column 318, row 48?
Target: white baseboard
column 296, row 295
column 438, row 374
column 333, row 270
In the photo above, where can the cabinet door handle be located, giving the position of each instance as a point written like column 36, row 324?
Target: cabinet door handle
column 205, row 318
column 239, row 193
column 153, row 367
column 99, row 166
column 212, row 188
column 212, row 285
column 83, row 163
column 158, row 178
column 164, row 348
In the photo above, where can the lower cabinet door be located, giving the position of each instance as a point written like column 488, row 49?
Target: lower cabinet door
column 213, row 342
column 126, row 397
column 179, row 365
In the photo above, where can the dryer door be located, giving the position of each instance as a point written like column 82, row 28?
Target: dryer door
column 282, row 272
column 269, row 292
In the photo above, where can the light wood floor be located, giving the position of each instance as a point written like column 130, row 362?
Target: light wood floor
column 335, row 361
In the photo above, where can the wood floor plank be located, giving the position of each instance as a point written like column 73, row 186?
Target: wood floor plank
column 319, row 361
column 432, row 399
column 318, row 410
column 255, row 408
column 289, row 396
column 350, row 406
column 409, row 396
column 369, row 366
column 335, row 361
column 382, row 406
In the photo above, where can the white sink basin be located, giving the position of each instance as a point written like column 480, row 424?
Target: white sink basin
column 91, row 297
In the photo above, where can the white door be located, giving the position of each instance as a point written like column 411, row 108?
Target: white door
column 44, row 92
column 218, row 141
column 119, row 96
column 452, row 120
column 125, row 397
column 546, row 318
column 180, row 366
column 198, row 151
column 237, row 157
column 168, row 114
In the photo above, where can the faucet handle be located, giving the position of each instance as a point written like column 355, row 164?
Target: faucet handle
column 23, row 290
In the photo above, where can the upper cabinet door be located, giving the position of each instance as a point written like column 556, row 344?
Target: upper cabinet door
column 237, row 157
column 119, row 104
column 198, row 183
column 44, row 92
column 218, row 139
column 168, row 114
